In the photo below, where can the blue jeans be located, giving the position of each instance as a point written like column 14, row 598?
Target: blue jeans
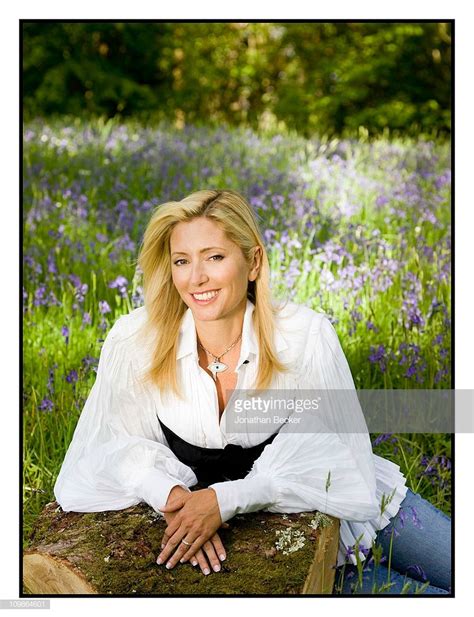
column 421, row 552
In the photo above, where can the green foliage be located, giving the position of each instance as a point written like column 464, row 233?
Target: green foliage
column 325, row 78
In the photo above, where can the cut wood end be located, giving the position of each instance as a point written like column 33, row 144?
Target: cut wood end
column 46, row 574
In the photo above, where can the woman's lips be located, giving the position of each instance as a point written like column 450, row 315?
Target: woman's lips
column 203, row 302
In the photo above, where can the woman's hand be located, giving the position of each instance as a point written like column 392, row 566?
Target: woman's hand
column 197, row 517
column 212, row 549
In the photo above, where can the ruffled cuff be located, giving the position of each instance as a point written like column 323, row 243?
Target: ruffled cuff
column 154, row 487
column 246, row 495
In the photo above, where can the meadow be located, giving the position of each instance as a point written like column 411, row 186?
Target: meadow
column 357, row 228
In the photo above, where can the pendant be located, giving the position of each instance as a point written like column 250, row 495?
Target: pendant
column 217, row 367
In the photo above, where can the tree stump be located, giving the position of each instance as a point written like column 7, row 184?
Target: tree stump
column 115, row 553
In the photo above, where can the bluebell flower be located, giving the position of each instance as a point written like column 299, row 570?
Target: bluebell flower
column 46, row 405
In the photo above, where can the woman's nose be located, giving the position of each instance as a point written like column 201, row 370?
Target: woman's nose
column 198, row 274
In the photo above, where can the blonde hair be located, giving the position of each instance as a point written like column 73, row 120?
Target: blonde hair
column 165, row 307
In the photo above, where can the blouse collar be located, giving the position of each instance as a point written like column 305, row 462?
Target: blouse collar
column 188, row 340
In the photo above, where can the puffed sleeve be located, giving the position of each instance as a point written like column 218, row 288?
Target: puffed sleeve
column 118, row 456
column 329, row 468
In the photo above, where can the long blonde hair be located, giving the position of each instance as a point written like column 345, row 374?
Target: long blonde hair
column 165, row 307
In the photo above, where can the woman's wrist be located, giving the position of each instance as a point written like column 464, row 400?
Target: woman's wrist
column 175, row 491
column 154, row 487
column 247, row 495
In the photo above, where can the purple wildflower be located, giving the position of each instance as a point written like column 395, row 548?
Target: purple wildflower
column 415, row 318
column 75, row 280
column 50, row 385
column 120, row 283
column 268, row 235
column 71, row 377
column 377, row 356
column 349, row 551
column 104, row 308
column 52, row 263
column 86, row 319
column 90, row 362
column 46, row 405
column 381, row 438
column 81, row 291
column 40, row 296
column 138, row 297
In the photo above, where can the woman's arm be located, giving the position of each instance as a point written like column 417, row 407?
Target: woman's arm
column 115, row 460
column 328, row 468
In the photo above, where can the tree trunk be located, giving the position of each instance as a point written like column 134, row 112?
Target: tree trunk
column 115, row 553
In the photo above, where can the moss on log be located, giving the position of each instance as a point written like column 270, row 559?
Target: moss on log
column 115, row 553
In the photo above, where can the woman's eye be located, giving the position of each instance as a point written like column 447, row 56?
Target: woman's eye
column 219, row 257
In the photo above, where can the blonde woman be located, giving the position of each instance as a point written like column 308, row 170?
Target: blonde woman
column 161, row 416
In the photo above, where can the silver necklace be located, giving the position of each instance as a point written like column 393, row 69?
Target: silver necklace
column 217, row 366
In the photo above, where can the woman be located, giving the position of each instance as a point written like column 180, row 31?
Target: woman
column 161, row 416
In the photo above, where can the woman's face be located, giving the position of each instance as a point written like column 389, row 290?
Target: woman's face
column 204, row 260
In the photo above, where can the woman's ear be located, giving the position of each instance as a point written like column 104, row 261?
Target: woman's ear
column 256, row 263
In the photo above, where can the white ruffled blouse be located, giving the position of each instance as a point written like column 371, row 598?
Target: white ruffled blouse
column 119, row 456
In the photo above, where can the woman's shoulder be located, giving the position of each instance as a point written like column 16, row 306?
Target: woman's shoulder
column 129, row 323
column 292, row 315
column 123, row 345
column 124, row 331
column 299, row 325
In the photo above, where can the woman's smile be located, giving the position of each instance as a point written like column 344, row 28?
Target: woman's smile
column 205, row 297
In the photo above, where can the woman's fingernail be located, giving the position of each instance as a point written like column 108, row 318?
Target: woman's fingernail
column 163, row 545
column 217, row 567
column 206, row 571
column 181, row 560
column 195, row 563
column 222, row 557
column 168, row 565
column 158, row 561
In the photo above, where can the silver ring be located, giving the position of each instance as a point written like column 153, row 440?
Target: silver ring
column 187, row 543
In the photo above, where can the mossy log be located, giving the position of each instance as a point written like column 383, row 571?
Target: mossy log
column 115, row 553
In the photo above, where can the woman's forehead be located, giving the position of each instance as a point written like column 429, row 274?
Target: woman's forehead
column 199, row 233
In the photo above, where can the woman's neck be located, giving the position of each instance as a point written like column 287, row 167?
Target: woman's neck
column 217, row 336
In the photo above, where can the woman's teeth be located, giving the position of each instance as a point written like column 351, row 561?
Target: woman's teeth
column 206, row 296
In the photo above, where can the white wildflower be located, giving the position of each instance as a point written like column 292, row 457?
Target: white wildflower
column 320, row 520
column 289, row 540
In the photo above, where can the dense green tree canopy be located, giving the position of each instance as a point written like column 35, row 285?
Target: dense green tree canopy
column 326, row 78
